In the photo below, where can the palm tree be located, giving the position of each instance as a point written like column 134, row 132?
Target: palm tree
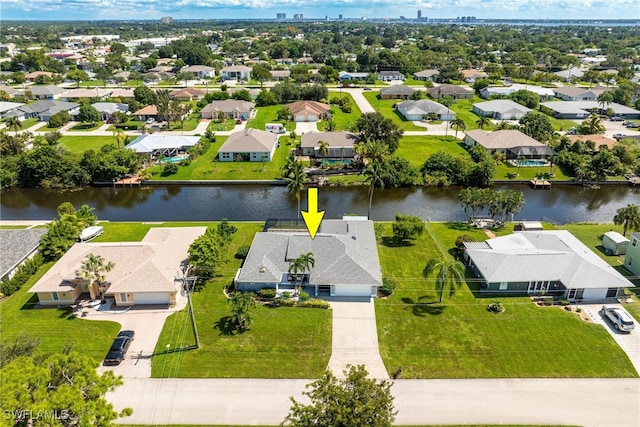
column 323, row 150
column 373, row 174
column 240, row 304
column 503, row 125
column 376, row 153
column 519, row 162
column 458, row 123
column 13, row 123
column 482, row 122
column 296, row 266
column 605, row 99
column 593, row 125
column 448, row 273
column 120, row 136
column 92, row 270
column 628, row 217
column 295, row 183
column 307, row 262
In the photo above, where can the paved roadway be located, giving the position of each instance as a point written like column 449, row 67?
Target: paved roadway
column 585, row 402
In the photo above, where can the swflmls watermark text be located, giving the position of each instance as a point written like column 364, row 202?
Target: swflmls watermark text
column 29, row 414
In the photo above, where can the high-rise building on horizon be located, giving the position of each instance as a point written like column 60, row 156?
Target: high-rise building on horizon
column 281, row 16
column 419, row 15
column 166, row 19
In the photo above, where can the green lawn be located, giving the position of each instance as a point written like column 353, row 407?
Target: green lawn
column 416, row 149
column 189, row 124
column 346, row 180
column 265, row 115
column 283, row 342
column 385, row 107
column 55, row 328
column 86, row 127
column 26, row 124
column 561, row 124
column 208, row 167
column 80, row 144
column 344, row 121
column 92, row 83
column 462, row 108
column 528, row 173
column 227, row 125
column 461, row 339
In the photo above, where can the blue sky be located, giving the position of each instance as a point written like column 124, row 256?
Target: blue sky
column 238, row 9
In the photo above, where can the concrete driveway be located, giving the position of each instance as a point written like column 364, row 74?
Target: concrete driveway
column 355, row 337
column 360, row 100
column 306, row 127
column 147, row 323
column 628, row 342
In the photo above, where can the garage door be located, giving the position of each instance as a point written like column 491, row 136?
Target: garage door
column 350, row 291
column 598, row 293
column 299, row 118
column 151, row 298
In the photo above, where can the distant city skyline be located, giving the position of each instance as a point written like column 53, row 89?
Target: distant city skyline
column 349, row 9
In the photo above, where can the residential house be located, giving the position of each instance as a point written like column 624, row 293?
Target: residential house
column 280, row 74
column 230, row 109
column 632, row 257
column 426, row 75
column 148, row 112
column 143, row 273
column 308, row 111
column 512, row 143
column 418, row 110
column 389, row 76
column 236, row 72
column 341, row 144
column 8, row 106
column 157, row 145
column 574, row 93
column 43, row 109
column 350, row 76
column 201, row 71
column 75, row 95
column 583, row 109
column 159, row 69
column 31, row 77
column 553, row 263
column 123, row 93
column 188, row 94
column 470, row 76
column 500, row 109
column 344, row 251
column 571, row 73
column 106, row 109
column 18, row 246
column 453, row 91
column 496, row 91
column 42, row 92
column 545, row 93
column 9, row 90
column 249, row 145
column 396, row 92
column 598, row 140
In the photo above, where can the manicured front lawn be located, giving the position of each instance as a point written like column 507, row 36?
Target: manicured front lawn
column 80, row 144
column 208, row 167
column 26, row 124
column 461, row 339
column 344, row 121
column 462, row 108
column 528, row 173
column 86, row 127
column 283, row 342
column 189, row 124
column 385, row 107
column 226, row 125
column 265, row 115
column 55, row 328
column 416, row 149
column 561, row 124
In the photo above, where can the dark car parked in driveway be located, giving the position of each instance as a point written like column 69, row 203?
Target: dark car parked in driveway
column 119, row 348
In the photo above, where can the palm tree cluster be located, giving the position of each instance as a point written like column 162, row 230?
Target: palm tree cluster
column 240, row 304
column 299, row 266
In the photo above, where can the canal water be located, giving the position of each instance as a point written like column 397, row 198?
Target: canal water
column 560, row 204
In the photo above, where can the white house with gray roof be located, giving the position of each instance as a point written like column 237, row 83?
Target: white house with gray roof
column 340, row 144
column 417, row 110
column 552, row 262
column 249, row 145
column 162, row 145
column 501, row 109
column 345, row 254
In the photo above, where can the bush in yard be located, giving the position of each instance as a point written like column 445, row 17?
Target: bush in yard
column 242, row 252
column 407, row 226
column 286, row 295
column 388, row 285
column 303, row 296
column 23, row 273
column 169, row 169
column 314, row 303
column 460, row 241
column 495, row 307
column 267, row 293
column 280, row 302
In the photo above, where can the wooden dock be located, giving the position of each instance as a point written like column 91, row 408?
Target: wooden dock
column 540, row 183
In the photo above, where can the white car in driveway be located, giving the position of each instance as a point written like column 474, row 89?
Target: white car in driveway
column 620, row 319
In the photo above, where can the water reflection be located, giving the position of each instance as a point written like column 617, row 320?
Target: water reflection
column 562, row 203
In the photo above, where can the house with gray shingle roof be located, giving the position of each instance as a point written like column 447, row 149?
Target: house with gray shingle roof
column 425, row 75
column 416, row 110
column 236, row 72
column 575, row 93
column 229, row 108
column 162, row 145
column 249, row 145
column 43, row 109
column 17, row 246
column 340, row 144
column 454, row 91
column 345, row 254
column 106, row 109
column 143, row 273
column 501, row 109
column 43, row 92
column 396, row 92
column 551, row 263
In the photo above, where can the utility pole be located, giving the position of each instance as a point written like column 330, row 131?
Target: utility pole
column 188, row 283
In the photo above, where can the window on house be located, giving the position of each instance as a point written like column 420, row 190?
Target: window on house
column 54, row 296
column 634, row 241
column 503, row 286
column 123, row 296
column 630, row 260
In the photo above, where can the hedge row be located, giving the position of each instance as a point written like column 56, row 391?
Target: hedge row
column 23, row 273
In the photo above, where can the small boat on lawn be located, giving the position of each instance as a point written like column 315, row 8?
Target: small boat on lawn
column 91, row 233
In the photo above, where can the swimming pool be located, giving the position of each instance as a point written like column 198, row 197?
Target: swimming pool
column 531, row 163
column 174, row 159
column 332, row 162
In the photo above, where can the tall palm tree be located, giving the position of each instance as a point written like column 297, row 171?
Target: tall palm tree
column 296, row 266
column 376, row 153
column 519, row 161
column 307, row 261
column 13, row 123
column 92, row 270
column 449, row 273
column 628, row 217
column 593, row 125
column 295, row 180
column 323, row 150
column 373, row 174
column 503, row 125
column 482, row 122
column 120, row 136
column 459, row 124
column 605, row 99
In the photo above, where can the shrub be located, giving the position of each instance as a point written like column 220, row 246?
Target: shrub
column 169, row 169
column 378, row 229
column 242, row 252
column 185, row 162
column 267, row 293
column 286, row 295
column 495, row 307
column 388, row 285
column 314, row 303
column 303, row 296
column 279, row 302
column 23, row 273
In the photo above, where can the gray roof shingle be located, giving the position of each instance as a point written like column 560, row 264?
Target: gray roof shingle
column 16, row 245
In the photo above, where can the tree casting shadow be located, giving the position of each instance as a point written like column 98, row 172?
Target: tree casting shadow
column 227, row 327
column 395, row 242
column 421, row 309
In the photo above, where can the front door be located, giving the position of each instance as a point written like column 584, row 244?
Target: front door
column 572, row 294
